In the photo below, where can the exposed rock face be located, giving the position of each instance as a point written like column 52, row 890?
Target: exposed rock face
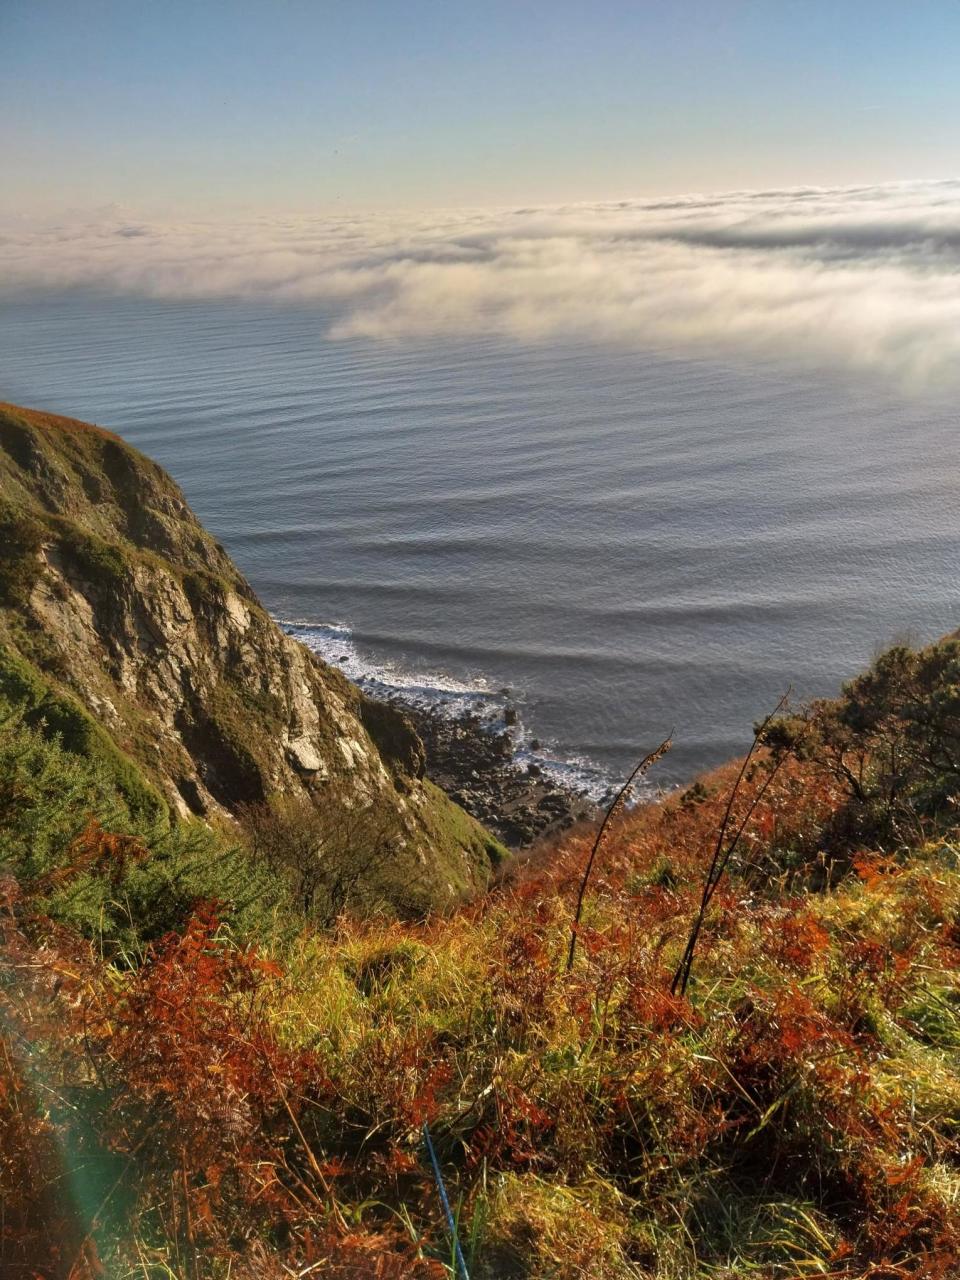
column 111, row 589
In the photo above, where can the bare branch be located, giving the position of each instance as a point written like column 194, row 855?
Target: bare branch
column 618, row 804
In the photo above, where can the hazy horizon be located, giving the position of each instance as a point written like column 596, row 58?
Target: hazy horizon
column 183, row 110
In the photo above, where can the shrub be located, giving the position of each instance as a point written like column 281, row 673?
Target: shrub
column 328, row 855
column 21, row 537
column 892, row 741
column 95, row 861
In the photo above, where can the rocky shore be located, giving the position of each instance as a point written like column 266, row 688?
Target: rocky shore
column 473, row 757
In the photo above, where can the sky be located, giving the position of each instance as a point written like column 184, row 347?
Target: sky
column 247, row 107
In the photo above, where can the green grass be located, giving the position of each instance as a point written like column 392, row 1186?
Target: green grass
column 105, row 565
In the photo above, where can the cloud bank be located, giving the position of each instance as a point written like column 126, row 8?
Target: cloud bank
column 867, row 277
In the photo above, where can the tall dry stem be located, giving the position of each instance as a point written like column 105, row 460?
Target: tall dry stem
column 721, row 854
column 619, row 803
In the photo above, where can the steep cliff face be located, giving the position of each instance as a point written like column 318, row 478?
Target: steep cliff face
column 113, row 595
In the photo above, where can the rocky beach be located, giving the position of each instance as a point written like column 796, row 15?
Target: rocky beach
column 475, row 757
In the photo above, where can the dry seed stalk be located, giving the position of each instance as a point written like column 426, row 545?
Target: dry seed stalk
column 619, row 803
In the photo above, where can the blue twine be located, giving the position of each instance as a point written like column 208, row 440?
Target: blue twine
column 451, row 1224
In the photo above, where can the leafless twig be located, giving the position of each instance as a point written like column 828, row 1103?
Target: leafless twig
column 618, row 804
column 722, row 854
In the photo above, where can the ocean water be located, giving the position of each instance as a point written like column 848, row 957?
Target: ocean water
column 630, row 541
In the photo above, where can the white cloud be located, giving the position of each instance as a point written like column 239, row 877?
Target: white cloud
column 865, row 276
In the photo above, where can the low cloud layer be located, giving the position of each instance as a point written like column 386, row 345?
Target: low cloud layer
column 868, row 277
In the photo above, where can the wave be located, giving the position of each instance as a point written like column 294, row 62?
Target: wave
column 454, row 698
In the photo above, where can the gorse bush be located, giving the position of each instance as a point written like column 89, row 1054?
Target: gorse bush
column 46, row 794
column 59, row 813
column 57, row 717
column 892, row 742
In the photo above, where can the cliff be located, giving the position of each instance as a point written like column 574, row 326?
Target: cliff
column 126, row 629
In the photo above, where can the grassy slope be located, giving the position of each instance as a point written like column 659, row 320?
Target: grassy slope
column 796, row 1113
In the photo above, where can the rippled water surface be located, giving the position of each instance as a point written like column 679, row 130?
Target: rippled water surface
column 631, row 541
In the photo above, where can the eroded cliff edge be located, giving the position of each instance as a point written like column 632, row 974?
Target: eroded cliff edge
column 123, row 621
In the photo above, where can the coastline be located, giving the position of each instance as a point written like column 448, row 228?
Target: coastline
column 473, row 758
column 477, row 748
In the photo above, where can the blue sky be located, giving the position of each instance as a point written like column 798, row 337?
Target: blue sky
column 233, row 105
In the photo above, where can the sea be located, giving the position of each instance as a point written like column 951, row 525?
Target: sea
column 620, row 543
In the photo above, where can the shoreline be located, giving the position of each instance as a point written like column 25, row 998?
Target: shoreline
column 473, row 758
column 476, row 746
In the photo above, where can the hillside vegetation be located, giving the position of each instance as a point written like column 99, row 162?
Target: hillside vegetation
column 217, row 1056
column 196, row 1106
